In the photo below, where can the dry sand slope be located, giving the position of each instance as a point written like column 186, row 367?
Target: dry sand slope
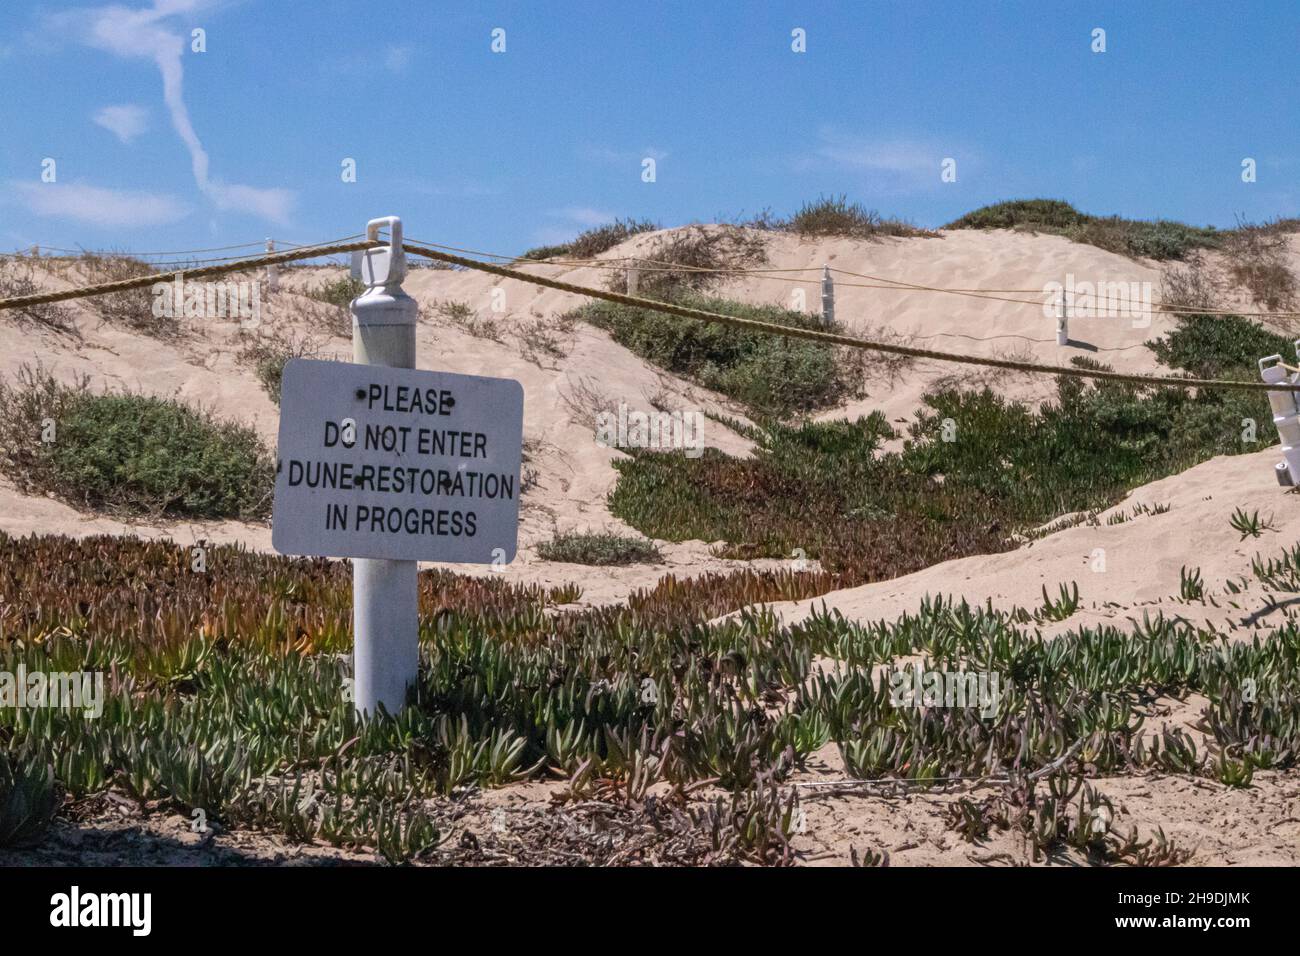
column 1123, row 570
column 569, row 369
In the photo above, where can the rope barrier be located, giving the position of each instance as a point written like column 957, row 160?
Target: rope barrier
column 834, row 338
column 141, row 282
column 132, row 255
column 645, row 264
column 611, row 265
column 874, row 282
column 754, row 325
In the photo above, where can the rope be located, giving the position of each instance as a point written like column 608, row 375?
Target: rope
column 834, row 338
column 140, row 282
column 131, row 255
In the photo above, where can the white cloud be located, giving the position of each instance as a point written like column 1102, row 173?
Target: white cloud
column 273, row 205
column 98, row 206
column 397, row 58
column 901, row 165
column 585, row 216
column 139, row 34
column 126, row 122
column 897, row 156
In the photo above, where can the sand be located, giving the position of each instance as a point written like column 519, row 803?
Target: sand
column 569, row 371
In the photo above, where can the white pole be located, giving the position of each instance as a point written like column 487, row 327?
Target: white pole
column 1063, row 323
column 828, row 297
column 1286, row 419
column 385, row 594
column 633, row 279
column 272, row 277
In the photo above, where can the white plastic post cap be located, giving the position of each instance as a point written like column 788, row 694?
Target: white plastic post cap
column 387, row 264
column 1268, row 360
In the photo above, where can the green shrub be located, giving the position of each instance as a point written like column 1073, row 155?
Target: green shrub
column 1161, row 239
column 130, row 453
column 771, row 375
column 547, row 252
column 836, row 216
column 269, row 354
column 602, row 549
column 1018, row 213
column 338, row 292
column 593, row 242
column 1220, row 346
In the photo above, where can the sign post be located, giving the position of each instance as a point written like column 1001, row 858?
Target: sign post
column 385, row 594
column 390, row 466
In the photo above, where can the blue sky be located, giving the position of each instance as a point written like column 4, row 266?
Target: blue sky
column 160, row 147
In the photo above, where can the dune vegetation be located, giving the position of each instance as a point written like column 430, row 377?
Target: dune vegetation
column 129, row 453
column 226, row 697
column 1160, row 239
column 976, row 470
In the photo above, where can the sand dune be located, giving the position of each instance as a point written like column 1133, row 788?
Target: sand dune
column 568, row 369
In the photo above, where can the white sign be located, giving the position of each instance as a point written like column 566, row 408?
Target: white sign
column 378, row 462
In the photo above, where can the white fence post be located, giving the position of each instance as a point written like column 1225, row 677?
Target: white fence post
column 385, row 593
column 272, row 277
column 1063, row 322
column 1286, row 418
column 633, row 278
column 828, row 297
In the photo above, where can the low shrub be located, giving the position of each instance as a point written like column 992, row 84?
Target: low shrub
column 1220, row 346
column 1257, row 258
column 268, row 355
column 772, row 376
column 599, row 549
column 338, row 292
column 132, row 308
column 836, row 216
column 1161, row 239
column 1021, row 213
column 130, row 453
column 17, row 278
column 691, row 260
column 593, row 242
